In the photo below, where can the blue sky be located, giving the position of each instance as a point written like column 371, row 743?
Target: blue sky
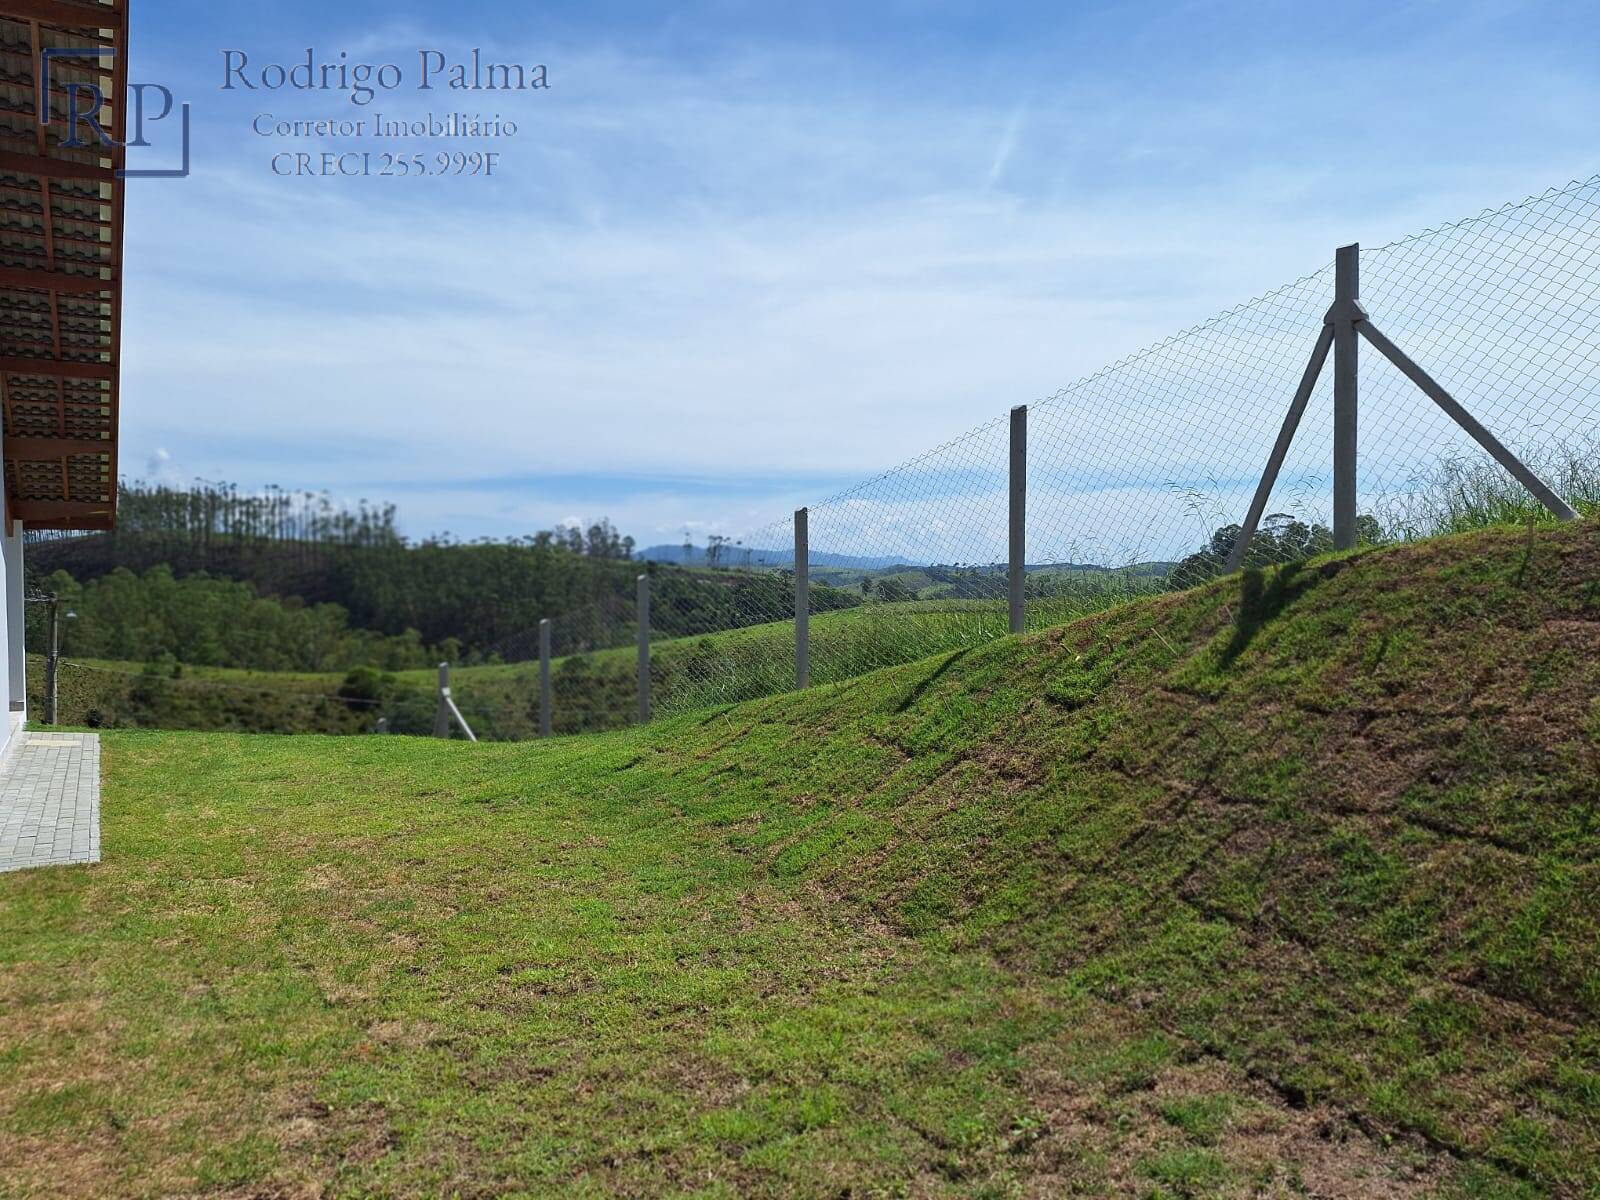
column 742, row 254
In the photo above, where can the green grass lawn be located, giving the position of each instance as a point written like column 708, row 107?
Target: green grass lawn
column 1287, row 886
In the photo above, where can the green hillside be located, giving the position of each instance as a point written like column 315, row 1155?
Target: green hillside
column 592, row 692
column 1284, row 886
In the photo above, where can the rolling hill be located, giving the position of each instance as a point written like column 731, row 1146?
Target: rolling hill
column 592, row 691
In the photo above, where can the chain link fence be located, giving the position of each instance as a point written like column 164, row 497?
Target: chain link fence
column 1138, row 478
column 1139, row 475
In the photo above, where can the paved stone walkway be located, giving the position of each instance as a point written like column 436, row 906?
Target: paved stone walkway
column 50, row 801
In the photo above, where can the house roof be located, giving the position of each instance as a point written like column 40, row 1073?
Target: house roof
column 60, row 265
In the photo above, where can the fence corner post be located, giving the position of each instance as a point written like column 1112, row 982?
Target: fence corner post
column 441, row 716
column 1345, row 313
column 802, row 599
column 643, row 602
column 1017, row 551
column 545, row 722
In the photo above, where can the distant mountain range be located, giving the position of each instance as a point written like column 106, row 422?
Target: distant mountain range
column 739, row 556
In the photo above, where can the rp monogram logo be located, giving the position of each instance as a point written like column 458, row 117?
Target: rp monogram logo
column 86, row 102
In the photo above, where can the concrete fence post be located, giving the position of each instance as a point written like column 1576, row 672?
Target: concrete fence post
column 643, row 601
column 441, row 715
column 1497, row 449
column 1017, row 552
column 1280, row 448
column 447, row 709
column 544, row 678
column 1346, row 370
column 802, row 599
column 1345, row 324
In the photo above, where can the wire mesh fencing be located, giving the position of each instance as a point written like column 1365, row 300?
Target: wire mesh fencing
column 1138, row 476
column 1502, row 309
column 737, row 623
column 1137, row 480
column 918, row 554
column 1134, row 467
column 171, row 696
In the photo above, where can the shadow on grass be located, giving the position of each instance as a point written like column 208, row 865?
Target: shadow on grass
column 1261, row 600
column 917, row 692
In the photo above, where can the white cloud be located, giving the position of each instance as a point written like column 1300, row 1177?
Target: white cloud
column 158, row 467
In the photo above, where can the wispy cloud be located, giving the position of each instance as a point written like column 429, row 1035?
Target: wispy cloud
column 1007, row 145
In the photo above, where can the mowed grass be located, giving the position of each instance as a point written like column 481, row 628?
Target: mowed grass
column 1284, row 886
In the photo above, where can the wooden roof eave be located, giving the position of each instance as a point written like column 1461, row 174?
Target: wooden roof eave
column 60, row 341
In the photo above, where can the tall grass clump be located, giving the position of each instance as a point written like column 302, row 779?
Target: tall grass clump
column 1467, row 492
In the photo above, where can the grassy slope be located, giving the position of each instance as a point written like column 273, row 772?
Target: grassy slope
column 1283, row 886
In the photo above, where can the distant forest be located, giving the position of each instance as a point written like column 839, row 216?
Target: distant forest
column 341, row 585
